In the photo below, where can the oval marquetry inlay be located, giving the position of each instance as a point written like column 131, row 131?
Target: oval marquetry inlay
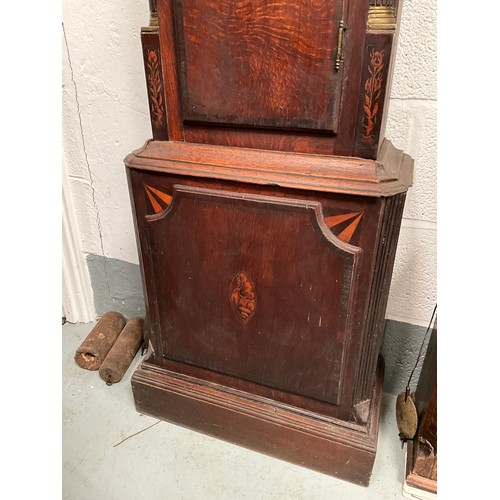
column 242, row 297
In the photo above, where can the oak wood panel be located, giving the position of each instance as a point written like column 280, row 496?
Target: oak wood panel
column 291, row 334
column 278, row 396
column 170, row 75
column 357, row 14
column 385, row 244
column 259, row 63
column 256, row 138
column 262, row 75
column 354, row 218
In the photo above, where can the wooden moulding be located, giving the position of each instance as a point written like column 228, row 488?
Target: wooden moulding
column 390, row 174
column 325, row 444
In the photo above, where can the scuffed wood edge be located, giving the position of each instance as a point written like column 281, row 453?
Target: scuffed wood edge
column 363, row 437
column 390, row 174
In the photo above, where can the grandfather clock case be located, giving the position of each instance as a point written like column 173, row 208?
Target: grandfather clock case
column 267, row 211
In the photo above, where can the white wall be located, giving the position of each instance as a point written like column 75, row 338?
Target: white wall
column 412, row 126
column 105, row 116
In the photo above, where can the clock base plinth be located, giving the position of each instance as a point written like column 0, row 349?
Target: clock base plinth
column 332, row 446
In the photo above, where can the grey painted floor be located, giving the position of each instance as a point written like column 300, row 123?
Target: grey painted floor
column 170, row 462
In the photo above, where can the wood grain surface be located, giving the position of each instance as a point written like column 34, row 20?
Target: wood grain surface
column 390, row 174
column 263, row 63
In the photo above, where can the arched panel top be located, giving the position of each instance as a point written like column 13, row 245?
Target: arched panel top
column 239, row 304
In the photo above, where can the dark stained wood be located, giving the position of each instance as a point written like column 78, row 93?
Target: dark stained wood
column 376, row 65
column 425, row 458
column 328, row 445
column 422, row 459
column 154, row 84
column 390, row 174
column 290, row 141
column 428, row 377
column 271, row 393
column 295, row 340
column 213, row 209
column 266, row 238
column 169, row 63
column 215, row 222
column 385, row 251
column 357, row 12
column 270, row 76
column 206, row 214
column 271, row 53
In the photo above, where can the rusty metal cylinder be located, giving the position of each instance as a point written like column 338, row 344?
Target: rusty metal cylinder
column 123, row 351
column 94, row 349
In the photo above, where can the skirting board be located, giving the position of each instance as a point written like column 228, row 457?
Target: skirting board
column 325, row 444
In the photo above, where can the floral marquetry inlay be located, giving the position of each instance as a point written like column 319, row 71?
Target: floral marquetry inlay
column 373, row 89
column 155, row 88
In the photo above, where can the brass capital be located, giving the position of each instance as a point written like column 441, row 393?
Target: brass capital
column 381, row 18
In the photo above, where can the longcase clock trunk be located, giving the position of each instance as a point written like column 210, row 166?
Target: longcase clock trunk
column 267, row 214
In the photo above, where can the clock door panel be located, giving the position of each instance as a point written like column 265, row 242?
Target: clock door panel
column 278, row 58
